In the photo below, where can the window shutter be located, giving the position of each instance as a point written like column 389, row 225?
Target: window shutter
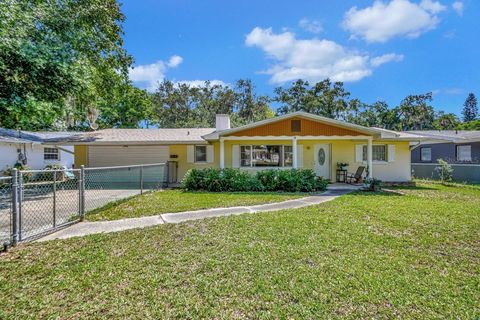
column 210, row 155
column 299, row 156
column 190, row 154
column 359, row 153
column 391, row 153
column 236, row 156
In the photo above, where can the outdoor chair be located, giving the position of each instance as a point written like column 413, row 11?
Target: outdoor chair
column 357, row 177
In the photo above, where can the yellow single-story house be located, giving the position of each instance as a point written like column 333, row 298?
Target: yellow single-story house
column 296, row 140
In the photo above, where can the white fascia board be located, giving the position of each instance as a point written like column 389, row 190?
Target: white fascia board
column 298, row 138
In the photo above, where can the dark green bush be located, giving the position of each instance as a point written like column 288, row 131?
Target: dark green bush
column 269, row 179
column 231, row 180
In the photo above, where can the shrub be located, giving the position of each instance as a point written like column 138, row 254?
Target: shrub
column 321, row 184
column 216, row 180
column 27, row 176
column 444, row 170
column 372, row 184
column 269, row 179
column 194, row 180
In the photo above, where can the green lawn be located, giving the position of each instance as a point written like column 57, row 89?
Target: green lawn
column 154, row 203
column 413, row 253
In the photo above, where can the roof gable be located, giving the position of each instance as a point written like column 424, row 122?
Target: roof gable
column 350, row 127
column 308, row 127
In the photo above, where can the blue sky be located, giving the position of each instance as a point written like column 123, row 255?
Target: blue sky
column 382, row 50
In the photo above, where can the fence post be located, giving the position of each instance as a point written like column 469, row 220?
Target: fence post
column 167, row 175
column 81, row 189
column 141, row 180
column 20, row 202
column 54, row 198
column 15, row 212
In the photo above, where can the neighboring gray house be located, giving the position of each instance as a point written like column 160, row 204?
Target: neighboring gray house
column 459, row 148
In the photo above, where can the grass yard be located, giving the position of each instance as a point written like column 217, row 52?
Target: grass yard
column 167, row 201
column 410, row 254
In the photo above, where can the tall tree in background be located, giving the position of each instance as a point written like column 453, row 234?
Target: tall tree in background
column 324, row 98
column 416, row 113
column 446, row 121
column 59, row 59
column 470, row 109
column 249, row 105
column 181, row 105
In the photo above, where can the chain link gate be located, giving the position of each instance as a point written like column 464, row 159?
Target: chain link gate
column 34, row 203
column 47, row 200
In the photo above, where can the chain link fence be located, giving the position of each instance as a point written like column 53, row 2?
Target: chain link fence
column 34, row 203
column 5, row 209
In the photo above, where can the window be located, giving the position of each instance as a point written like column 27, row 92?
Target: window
column 51, row 154
column 296, row 126
column 464, row 153
column 245, row 156
column 426, row 154
column 200, row 153
column 379, row 153
column 266, row 156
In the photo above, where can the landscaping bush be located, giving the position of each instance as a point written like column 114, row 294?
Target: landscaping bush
column 232, row 180
column 444, row 170
column 372, row 184
column 27, row 176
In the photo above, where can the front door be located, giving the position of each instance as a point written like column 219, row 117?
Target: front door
column 322, row 160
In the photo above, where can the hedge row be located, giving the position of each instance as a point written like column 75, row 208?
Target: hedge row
column 216, row 180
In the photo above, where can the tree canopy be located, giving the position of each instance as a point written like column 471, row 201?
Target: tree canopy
column 63, row 66
column 60, row 58
column 182, row 105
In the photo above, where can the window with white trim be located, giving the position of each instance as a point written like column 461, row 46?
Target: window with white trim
column 200, row 153
column 426, row 154
column 464, row 153
column 379, row 153
column 266, row 156
column 51, row 154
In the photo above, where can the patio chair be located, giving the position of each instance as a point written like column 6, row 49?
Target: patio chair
column 357, row 177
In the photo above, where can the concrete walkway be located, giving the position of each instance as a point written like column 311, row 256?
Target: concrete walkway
column 86, row 228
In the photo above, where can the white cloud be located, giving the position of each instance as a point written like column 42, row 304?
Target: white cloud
column 174, row 61
column 433, row 7
column 149, row 75
column 312, row 26
column 201, row 83
column 383, row 21
column 389, row 57
column 449, row 91
column 458, row 7
column 313, row 59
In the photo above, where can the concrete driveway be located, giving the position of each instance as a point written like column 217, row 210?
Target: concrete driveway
column 39, row 214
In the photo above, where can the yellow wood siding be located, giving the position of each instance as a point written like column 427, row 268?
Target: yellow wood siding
column 183, row 166
column 341, row 151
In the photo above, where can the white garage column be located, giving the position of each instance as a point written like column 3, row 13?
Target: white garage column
column 369, row 157
column 222, row 153
column 294, row 153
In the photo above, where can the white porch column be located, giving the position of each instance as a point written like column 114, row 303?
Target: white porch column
column 294, row 153
column 369, row 157
column 222, row 154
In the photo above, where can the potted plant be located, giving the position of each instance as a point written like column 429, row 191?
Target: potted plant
column 372, row 184
column 342, row 165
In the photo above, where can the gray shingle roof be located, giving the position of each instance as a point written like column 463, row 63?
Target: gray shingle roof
column 148, row 136
column 457, row 136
